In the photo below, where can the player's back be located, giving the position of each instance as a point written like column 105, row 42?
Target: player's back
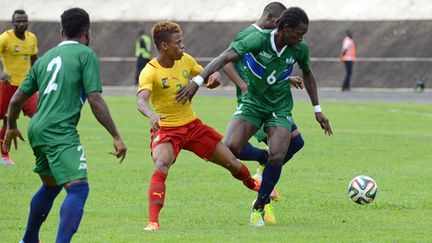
column 63, row 76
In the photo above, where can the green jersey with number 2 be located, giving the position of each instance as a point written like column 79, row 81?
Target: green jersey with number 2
column 63, row 77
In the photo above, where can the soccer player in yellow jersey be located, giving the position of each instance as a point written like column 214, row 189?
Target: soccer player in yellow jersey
column 174, row 125
column 18, row 51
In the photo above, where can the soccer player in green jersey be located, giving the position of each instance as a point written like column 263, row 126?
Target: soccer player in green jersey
column 65, row 76
column 236, row 72
column 270, row 56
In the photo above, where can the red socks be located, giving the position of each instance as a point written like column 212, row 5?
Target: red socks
column 245, row 177
column 156, row 195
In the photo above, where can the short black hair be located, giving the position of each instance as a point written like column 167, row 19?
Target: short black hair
column 275, row 8
column 18, row 11
column 74, row 22
column 292, row 17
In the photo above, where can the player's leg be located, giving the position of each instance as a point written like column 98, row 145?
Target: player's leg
column 296, row 143
column 6, row 93
column 224, row 157
column 42, row 201
column 249, row 152
column 68, row 165
column 277, row 137
column 163, row 155
column 238, row 133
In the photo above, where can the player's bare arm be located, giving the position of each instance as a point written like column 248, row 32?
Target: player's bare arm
column 144, row 108
column 4, row 77
column 101, row 112
column 33, row 59
column 12, row 132
column 231, row 72
column 311, row 88
column 187, row 92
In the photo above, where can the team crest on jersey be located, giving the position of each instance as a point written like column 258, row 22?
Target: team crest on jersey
column 265, row 54
column 185, row 74
column 165, row 83
column 289, row 61
column 16, row 48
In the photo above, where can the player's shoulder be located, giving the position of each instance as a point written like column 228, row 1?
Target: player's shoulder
column 302, row 45
column 6, row 34
column 187, row 57
column 30, row 34
column 246, row 31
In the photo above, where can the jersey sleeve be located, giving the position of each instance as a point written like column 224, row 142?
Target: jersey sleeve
column 303, row 59
column 90, row 72
column 29, row 85
column 195, row 68
column 35, row 47
column 146, row 78
column 250, row 43
column 2, row 42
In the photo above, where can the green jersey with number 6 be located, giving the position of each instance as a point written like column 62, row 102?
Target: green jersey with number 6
column 63, row 77
column 268, row 70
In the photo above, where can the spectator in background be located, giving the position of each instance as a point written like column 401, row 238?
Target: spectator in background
column 142, row 52
column 348, row 51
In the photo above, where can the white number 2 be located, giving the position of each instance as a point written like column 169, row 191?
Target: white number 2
column 80, row 149
column 52, row 86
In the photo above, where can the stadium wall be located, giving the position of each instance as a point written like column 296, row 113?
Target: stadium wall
column 392, row 53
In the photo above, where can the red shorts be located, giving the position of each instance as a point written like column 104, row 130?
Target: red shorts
column 195, row 136
column 6, row 93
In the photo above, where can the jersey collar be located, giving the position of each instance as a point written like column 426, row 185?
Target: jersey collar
column 273, row 43
column 67, row 42
column 257, row 27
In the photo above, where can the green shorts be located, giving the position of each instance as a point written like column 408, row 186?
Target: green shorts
column 262, row 120
column 63, row 162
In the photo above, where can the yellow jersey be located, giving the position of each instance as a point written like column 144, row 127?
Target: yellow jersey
column 15, row 54
column 164, row 83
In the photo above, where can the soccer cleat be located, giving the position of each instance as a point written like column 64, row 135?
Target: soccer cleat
column 269, row 217
column 152, row 226
column 274, row 195
column 256, row 217
column 6, row 160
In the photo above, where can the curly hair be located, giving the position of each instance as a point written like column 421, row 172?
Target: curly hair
column 74, row 22
column 162, row 30
column 292, row 17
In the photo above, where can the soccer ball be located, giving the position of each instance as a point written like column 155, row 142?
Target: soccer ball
column 362, row 189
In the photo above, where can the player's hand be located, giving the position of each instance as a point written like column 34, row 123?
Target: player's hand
column 6, row 79
column 154, row 121
column 120, row 149
column 11, row 135
column 187, row 93
column 324, row 123
column 214, row 80
column 297, row 82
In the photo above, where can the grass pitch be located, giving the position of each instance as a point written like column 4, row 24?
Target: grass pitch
column 390, row 142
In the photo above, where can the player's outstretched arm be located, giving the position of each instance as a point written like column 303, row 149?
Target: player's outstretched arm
column 232, row 74
column 311, row 88
column 187, row 92
column 101, row 112
column 12, row 132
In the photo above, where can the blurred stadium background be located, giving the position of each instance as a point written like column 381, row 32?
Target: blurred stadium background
column 393, row 38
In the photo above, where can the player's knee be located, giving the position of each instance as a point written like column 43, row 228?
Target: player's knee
column 235, row 149
column 276, row 159
column 296, row 144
